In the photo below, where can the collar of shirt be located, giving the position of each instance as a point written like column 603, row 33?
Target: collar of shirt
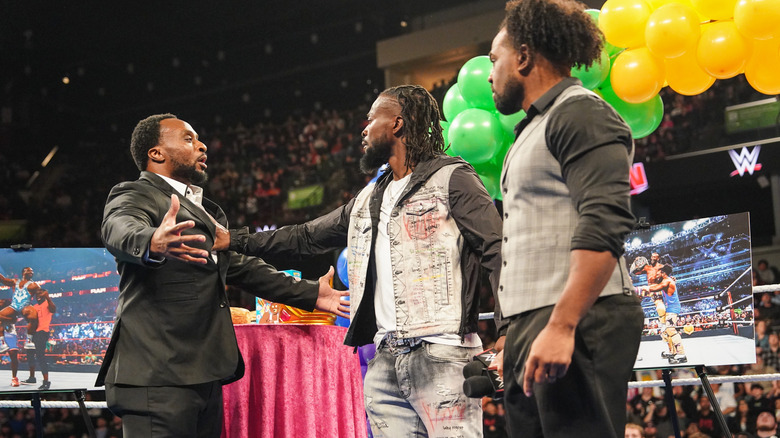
column 182, row 189
column 541, row 104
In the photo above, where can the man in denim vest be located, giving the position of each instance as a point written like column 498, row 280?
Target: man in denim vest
column 417, row 239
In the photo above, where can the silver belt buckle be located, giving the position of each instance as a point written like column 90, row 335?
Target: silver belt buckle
column 397, row 346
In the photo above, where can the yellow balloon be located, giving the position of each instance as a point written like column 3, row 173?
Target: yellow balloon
column 655, row 4
column 722, row 51
column 672, row 30
column 759, row 19
column 715, row 9
column 685, row 76
column 620, row 19
column 763, row 68
column 637, row 76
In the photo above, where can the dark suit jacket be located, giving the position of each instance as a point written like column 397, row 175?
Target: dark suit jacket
column 173, row 323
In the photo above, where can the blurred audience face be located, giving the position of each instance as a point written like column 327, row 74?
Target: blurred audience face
column 765, row 422
column 634, row 431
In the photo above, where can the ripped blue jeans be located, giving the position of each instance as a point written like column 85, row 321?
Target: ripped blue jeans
column 420, row 393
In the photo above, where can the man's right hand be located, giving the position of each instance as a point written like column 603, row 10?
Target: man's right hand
column 168, row 242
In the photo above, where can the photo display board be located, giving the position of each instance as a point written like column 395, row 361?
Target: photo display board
column 84, row 286
column 695, row 281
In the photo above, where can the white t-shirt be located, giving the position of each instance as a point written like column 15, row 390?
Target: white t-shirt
column 384, row 298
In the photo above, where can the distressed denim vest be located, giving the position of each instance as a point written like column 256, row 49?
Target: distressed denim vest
column 425, row 255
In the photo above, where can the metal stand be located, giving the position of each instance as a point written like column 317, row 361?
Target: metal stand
column 669, row 396
column 36, row 403
column 705, row 383
column 81, row 395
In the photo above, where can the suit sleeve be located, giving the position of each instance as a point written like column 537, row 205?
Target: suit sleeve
column 263, row 280
column 315, row 237
column 130, row 217
column 480, row 224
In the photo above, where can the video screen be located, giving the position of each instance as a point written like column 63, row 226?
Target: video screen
column 695, row 281
column 83, row 286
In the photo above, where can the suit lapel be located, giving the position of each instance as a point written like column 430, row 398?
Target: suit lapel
column 184, row 203
column 200, row 216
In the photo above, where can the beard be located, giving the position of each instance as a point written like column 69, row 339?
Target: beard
column 376, row 156
column 189, row 173
column 512, row 100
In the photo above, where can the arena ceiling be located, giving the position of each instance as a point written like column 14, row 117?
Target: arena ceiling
column 94, row 67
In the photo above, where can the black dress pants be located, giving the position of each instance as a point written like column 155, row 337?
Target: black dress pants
column 167, row 411
column 590, row 401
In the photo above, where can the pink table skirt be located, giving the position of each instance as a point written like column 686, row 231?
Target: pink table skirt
column 301, row 381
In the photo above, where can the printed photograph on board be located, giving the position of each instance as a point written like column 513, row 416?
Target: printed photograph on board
column 57, row 308
column 695, row 281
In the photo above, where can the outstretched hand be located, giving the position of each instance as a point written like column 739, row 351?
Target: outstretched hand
column 167, row 240
column 332, row 300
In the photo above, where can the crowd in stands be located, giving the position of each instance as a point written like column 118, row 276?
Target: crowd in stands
column 253, row 167
column 692, row 123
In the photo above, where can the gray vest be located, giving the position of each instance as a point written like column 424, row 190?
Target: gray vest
column 539, row 222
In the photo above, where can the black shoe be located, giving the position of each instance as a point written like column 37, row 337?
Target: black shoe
column 31, row 380
column 665, row 355
column 45, row 386
column 678, row 360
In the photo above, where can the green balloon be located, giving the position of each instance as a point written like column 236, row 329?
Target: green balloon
column 643, row 118
column 445, row 130
column 491, row 184
column 474, row 85
column 594, row 75
column 655, row 115
column 509, row 122
column 476, row 135
column 454, row 103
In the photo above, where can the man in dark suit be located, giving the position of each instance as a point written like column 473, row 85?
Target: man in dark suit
column 173, row 344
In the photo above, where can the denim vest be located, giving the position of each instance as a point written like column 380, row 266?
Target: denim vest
column 425, row 257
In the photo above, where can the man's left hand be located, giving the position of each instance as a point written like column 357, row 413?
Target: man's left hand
column 332, row 300
column 550, row 356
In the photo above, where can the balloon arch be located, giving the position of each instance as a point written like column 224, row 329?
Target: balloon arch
column 685, row 45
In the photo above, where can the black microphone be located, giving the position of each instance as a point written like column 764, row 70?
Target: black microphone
column 480, row 381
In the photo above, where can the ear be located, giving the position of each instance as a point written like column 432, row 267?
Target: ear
column 525, row 61
column 398, row 126
column 155, row 155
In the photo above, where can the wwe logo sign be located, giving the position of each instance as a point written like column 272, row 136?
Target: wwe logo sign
column 745, row 160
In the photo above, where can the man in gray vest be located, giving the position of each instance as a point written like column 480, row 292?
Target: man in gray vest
column 575, row 324
column 417, row 240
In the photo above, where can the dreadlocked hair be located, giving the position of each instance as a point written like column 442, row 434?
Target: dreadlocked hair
column 422, row 128
column 559, row 30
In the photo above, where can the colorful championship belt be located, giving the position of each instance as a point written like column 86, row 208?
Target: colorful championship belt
column 268, row 312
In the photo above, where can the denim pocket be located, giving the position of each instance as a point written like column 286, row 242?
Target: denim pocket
column 449, row 353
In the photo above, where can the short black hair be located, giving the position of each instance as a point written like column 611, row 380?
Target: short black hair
column 146, row 135
column 667, row 269
column 560, row 30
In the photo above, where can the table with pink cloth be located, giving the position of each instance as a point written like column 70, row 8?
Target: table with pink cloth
column 301, row 381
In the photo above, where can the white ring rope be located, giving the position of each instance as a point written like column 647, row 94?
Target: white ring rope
column 766, row 288
column 711, row 379
column 51, row 404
